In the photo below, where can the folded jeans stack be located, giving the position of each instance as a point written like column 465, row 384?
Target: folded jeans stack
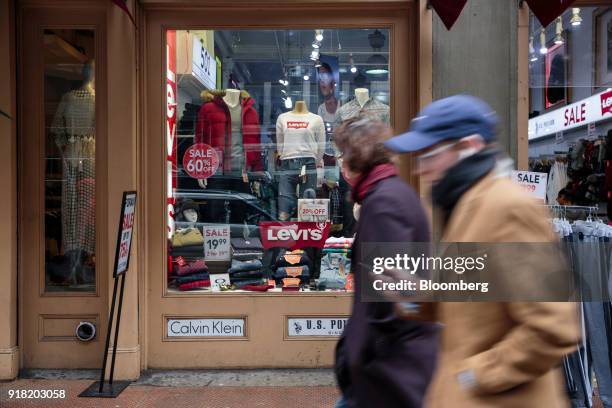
column 249, row 271
column 246, row 249
column 188, row 243
column 292, row 264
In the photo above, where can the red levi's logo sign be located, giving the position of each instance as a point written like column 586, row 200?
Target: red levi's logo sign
column 293, row 235
column 606, row 102
column 297, row 125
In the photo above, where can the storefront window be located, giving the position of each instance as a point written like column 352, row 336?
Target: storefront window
column 255, row 196
column 70, row 134
column 570, row 125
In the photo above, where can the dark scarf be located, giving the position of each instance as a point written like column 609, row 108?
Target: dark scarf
column 460, row 178
column 364, row 183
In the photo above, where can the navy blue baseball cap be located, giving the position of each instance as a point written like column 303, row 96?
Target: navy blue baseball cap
column 450, row 118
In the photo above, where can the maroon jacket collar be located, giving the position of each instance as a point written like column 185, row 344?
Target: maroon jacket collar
column 365, row 183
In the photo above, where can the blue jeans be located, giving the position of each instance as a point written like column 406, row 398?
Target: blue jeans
column 290, row 179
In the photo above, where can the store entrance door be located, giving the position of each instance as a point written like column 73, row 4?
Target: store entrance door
column 62, row 287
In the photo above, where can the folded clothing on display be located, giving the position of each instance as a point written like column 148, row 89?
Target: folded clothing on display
column 183, row 267
column 249, row 282
column 204, row 283
column 302, row 272
column 339, row 240
column 337, row 251
column 192, row 278
column 292, row 258
column 187, row 237
column 246, row 255
column 245, row 266
column 250, row 244
column 243, row 275
column 189, row 251
column 334, row 269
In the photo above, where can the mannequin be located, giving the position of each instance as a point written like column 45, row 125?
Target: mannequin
column 74, row 131
column 300, row 142
column 362, row 95
column 300, row 108
column 232, row 97
column 363, row 106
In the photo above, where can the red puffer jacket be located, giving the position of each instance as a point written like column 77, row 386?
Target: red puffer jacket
column 214, row 124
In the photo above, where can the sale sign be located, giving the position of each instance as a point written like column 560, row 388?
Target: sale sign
column 533, row 183
column 126, row 227
column 201, row 161
column 293, row 235
column 313, row 209
column 217, row 242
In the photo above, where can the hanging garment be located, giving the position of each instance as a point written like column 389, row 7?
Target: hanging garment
column 557, row 180
column 74, row 129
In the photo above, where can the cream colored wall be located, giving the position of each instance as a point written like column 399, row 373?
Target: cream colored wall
column 123, row 175
column 9, row 350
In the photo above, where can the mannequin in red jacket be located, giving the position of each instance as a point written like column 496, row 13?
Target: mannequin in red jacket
column 214, row 127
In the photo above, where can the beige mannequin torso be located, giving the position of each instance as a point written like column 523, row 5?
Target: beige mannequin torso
column 362, row 95
column 232, row 97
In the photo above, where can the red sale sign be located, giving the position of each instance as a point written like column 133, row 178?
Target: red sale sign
column 606, row 102
column 293, row 235
column 201, row 161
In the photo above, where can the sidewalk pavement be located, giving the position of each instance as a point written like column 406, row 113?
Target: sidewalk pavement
column 182, row 388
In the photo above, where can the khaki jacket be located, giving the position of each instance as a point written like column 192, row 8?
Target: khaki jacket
column 511, row 350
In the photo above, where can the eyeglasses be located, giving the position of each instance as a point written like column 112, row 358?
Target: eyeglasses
column 429, row 155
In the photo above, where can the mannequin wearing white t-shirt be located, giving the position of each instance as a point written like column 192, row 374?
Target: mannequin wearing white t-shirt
column 300, row 138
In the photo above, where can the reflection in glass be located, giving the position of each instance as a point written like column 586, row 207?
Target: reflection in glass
column 250, row 122
column 70, row 112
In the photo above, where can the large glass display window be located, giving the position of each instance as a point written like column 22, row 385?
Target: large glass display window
column 255, row 197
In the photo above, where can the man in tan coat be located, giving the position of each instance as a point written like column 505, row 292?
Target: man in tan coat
column 498, row 354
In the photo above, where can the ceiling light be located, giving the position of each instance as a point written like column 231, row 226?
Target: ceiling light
column 316, row 45
column 284, row 92
column 559, row 32
column 314, row 55
column 319, row 35
column 352, row 62
column 288, row 103
column 306, row 77
column 576, row 19
column 281, row 81
column 377, row 65
column 317, row 63
column 543, row 49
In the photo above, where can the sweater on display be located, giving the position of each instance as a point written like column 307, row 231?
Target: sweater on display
column 300, row 135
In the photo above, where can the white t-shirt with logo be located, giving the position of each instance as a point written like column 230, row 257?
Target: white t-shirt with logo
column 300, row 135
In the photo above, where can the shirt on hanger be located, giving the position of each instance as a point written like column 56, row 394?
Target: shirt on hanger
column 300, row 135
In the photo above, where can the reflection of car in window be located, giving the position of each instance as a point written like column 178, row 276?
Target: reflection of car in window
column 226, row 207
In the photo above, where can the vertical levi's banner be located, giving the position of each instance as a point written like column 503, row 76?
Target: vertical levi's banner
column 126, row 231
column 171, row 166
column 293, row 235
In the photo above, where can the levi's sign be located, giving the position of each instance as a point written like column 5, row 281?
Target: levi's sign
column 293, row 235
column 206, row 327
column 590, row 110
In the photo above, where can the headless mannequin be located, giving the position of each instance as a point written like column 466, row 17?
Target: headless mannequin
column 232, row 97
column 362, row 95
column 300, row 108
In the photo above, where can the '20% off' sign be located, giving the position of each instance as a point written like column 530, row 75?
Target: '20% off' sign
column 201, row 161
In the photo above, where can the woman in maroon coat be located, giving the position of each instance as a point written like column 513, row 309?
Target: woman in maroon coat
column 381, row 360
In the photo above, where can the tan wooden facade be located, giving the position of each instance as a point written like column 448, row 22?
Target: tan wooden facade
column 37, row 328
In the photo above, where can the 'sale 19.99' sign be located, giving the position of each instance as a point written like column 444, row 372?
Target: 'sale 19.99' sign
column 126, row 228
